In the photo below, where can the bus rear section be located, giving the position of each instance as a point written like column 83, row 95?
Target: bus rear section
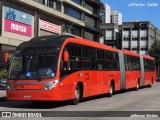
column 148, row 70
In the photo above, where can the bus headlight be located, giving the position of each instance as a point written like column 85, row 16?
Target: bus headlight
column 52, row 85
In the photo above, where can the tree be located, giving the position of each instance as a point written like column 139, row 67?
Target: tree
column 154, row 51
column 3, row 73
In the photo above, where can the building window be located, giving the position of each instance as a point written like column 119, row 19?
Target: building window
column 126, row 39
column 91, row 8
column 75, row 30
column 72, row 12
column 135, row 39
column 89, row 35
column 134, row 49
column 54, row 4
column 40, row 1
column 90, row 21
column 144, row 49
column 126, row 48
column 77, row 1
column 144, row 38
column 116, row 21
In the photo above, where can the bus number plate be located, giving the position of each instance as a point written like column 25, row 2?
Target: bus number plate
column 18, row 86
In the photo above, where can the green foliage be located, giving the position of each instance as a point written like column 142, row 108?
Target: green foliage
column 3, row 73
column 154, row 51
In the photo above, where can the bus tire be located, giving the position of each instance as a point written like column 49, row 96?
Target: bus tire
column 77, row 96
column 111, row 90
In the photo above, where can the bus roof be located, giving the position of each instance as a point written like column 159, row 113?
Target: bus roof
column 127, row 52
column 49, row 40
column 58, row 40
column 92, row 44
column 148, row 57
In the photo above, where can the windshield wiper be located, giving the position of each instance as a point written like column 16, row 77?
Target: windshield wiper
column 29, row 63
column 31, row 74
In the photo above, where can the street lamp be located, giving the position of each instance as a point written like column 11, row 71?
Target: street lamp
column 69, row 30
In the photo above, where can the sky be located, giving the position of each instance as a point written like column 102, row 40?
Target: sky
column 145, row 12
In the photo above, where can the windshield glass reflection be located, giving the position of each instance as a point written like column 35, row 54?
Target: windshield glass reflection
column 34, row 63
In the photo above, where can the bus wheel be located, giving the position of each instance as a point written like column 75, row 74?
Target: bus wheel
column 77, row 97
column 111, row 90
column 137, row 86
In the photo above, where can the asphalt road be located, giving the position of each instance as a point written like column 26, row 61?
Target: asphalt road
column 100, row 107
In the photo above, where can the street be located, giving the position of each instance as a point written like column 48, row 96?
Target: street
column 146, row 99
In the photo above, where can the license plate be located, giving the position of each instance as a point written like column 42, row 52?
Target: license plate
column 18, row 86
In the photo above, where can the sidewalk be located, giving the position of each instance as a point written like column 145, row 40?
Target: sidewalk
column 2, row 95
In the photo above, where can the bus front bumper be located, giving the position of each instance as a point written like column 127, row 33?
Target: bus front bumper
column 46, row 95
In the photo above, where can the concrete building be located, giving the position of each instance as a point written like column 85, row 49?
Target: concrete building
column 110, row 32
column 138, row 36
column 116, row 17
column 107, row 13
column 134, row 36
column 111, row 16
column 21, row 20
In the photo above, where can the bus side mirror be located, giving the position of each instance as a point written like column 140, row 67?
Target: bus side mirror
column 66, row 56
column 5, row 57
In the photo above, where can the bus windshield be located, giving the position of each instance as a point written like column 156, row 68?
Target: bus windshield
column 34, row 63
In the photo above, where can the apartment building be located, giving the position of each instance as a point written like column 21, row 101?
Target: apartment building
column 116, row 17
column 111, row 16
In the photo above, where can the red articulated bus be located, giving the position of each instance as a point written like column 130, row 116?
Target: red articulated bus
column 58, row 68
